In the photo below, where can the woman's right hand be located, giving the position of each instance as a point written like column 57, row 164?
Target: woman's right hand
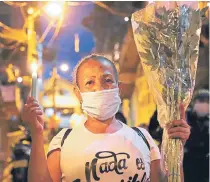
column 32, row 115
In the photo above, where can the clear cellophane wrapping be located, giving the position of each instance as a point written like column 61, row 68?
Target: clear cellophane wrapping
column 167, row 38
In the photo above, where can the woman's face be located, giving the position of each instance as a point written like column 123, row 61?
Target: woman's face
column 201, row 108
column 96, row 76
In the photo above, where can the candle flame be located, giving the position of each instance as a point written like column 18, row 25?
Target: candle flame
column 34, row 68
column 34, row 74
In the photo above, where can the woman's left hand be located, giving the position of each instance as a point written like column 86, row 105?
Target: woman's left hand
column 179, row 128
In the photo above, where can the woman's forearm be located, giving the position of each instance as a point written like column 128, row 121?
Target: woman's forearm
column 38, row 170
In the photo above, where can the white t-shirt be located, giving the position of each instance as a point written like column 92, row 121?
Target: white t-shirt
column 122, row 156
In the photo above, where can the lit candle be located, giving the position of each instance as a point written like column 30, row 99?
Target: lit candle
column 34, row 80
column 34, row 83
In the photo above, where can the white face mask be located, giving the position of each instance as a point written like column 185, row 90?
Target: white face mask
column 101, row 105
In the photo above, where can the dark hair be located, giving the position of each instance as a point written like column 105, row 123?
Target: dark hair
column 121, row 117
column 96, row 57
column 201, row 96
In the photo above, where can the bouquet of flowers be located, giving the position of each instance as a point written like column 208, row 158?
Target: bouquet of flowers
column 167, row 40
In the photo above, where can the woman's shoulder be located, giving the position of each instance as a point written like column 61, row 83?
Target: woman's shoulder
column 154, row 150
column 61, row 133
column 58, row 139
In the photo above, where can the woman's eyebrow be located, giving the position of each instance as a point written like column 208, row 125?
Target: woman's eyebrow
column 107, row 74
column 89, row 77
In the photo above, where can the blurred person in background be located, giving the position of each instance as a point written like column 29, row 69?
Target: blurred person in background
column 78, row 117
column 202, row 74
column 3, row 75
column 196, row 155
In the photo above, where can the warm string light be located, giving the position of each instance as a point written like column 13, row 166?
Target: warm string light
column 54, row 9
column 126, row 19
column 30, row 11
column 19, row 79
column 64, row 67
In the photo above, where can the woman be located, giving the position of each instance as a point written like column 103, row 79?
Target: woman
column 102, row 149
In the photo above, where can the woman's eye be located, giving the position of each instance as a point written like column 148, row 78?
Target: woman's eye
column 109, row 81
column 89, row 82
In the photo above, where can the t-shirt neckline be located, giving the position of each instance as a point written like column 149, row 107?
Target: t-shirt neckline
column 103, row 134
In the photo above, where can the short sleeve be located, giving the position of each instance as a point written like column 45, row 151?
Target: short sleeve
column 56, row 142
column 154, row 150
